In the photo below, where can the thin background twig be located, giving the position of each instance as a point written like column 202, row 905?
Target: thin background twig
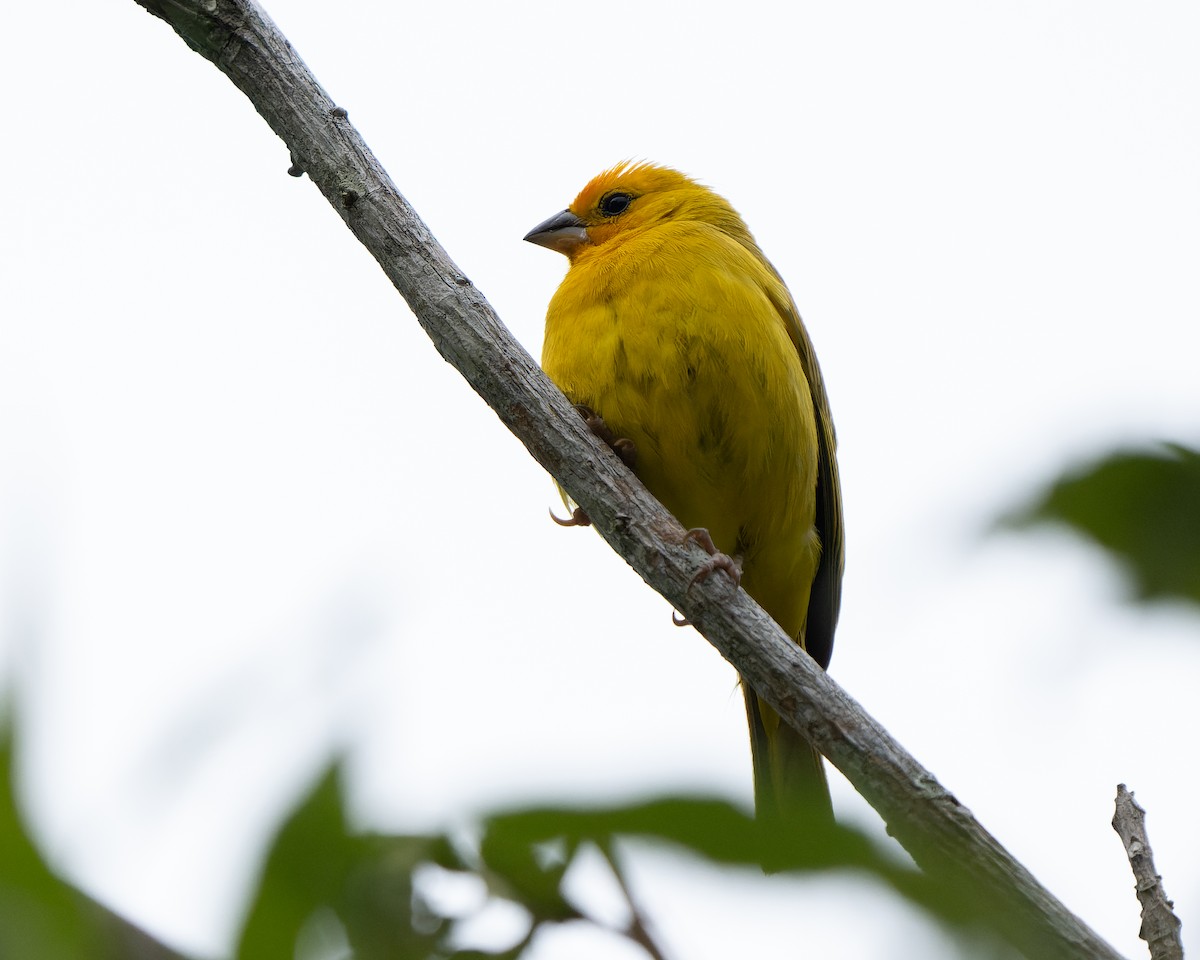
column 1160, row 926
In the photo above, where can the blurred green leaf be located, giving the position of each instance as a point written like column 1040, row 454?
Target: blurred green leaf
column 385, row 915
column 722, row 833
column 305, row 870
column 323, row 882
column 40, row 916
column 1143, row 507
column 712, row 828
column 317, row 870
column 527, row 877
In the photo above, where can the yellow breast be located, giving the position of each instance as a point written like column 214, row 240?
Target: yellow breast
column 674, row 338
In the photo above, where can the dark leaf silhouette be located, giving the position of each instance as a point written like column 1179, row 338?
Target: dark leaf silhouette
column 1143, row 508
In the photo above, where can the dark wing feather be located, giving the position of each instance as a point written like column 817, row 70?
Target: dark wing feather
column 826, row 598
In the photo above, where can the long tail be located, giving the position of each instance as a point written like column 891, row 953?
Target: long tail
column 789, row 777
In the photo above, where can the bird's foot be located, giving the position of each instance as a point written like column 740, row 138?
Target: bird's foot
column 623, row 447
column 716, row 561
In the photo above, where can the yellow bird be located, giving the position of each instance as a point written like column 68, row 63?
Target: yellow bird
column 674, row 328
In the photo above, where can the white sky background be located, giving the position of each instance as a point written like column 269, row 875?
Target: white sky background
column 248, row 515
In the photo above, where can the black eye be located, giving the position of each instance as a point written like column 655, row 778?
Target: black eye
column 615, row 203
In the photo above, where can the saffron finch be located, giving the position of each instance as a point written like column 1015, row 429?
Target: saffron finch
column 674, row 328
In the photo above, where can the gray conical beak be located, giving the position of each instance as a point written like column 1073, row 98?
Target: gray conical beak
column 563, row 232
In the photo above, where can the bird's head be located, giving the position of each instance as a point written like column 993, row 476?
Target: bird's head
column 629, row 198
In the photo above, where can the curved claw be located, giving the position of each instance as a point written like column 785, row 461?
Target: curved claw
column 717, row 560
column 722, row 561
column 577, row 519
column 680, row 621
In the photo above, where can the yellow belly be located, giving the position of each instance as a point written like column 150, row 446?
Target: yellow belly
column 677, row 345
